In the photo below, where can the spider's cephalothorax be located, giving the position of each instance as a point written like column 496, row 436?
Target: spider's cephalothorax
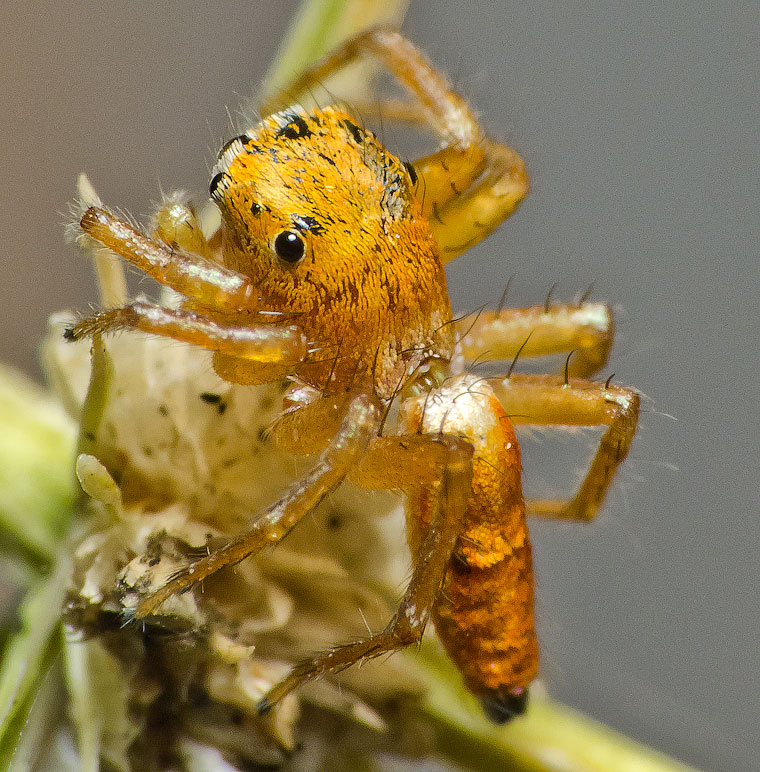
column 328, row 271
column 324, row 221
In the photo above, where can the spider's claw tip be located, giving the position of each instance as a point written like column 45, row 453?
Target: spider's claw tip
column 82, row 329
column 127, row 615
column 92, row 217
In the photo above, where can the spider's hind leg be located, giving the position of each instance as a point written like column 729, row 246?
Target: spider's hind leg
column 447, row 459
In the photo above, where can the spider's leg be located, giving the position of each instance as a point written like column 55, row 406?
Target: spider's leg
column 211, row 285
column 432, row 557
column 359, row 423
column 462, row 220
column 586, row 330
column 274, row 349
column 460, row 215
column 551, row 401
column 445, row 111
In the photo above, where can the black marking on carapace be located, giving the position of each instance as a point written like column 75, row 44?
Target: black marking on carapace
column 296, row 128
column 355, row 131
column 244, row 139
column 326, row 158
column 214, row 184
column 307, row 223
column 412, row 171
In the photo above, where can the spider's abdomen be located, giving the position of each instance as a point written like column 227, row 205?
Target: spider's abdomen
column 484, row 612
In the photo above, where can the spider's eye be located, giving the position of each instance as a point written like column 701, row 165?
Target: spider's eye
column 289, row 246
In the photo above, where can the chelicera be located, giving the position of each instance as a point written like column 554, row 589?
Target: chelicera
column 329, row 274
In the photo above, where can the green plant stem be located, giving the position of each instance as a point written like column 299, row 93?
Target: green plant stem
column 29, row 655
column 549, row 738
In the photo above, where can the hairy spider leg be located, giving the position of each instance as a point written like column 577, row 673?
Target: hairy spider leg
column 360, row 422
column 587, row 330
column 268, row 346
column 229, row 324
column 469, row 542
column 453, row 457
column 549, row 400
column 209, row 284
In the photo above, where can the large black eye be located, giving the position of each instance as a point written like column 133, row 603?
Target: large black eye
column 289, row 246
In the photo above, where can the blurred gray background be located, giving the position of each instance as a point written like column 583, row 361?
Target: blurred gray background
column 638, row 122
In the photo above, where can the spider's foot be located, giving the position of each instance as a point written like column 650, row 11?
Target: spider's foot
column 297, row 676
column 85, row 328
column 101, row 323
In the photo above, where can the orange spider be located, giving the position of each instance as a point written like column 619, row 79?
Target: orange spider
column 329, row 272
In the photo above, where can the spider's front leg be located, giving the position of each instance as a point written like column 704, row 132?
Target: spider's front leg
column 226, row 321
column 206, row 282
column 266, row 350
column 459, row 462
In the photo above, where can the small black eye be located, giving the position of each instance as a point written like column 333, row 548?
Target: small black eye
column 289, row 246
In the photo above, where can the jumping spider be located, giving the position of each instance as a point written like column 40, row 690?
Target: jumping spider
column 329, row 273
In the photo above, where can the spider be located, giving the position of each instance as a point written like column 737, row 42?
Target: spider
column 328, row 273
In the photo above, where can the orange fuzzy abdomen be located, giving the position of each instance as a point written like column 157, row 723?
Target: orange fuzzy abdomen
column 485, row 621
column 484, row 612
